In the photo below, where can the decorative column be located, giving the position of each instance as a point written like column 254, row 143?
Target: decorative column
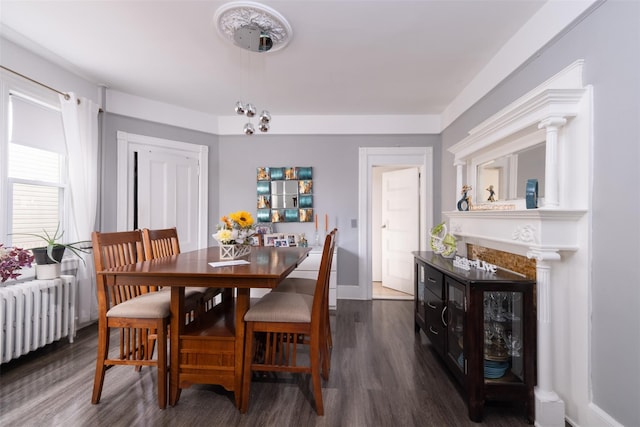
column 549, row 407
column 552, row 186
column 459, row 171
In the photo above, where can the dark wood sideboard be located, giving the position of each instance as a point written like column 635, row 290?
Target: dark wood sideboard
column 483, row 325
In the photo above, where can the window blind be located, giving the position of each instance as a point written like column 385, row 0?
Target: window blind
column 35, row 125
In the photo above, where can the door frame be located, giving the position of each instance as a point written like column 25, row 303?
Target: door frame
column 124, row 186
column 387, row 156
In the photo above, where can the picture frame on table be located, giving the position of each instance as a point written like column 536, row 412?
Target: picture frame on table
column 281, row 243
column 292, row 239
column 256, row 240
column 269, row 239
column 264, row 229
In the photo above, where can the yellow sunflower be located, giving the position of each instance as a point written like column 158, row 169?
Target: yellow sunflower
column 242, row 218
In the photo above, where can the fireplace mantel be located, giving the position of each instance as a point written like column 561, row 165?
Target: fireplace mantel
column 518, row 231
column 555, row 235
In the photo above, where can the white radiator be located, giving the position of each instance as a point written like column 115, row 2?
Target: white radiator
column 36, row 313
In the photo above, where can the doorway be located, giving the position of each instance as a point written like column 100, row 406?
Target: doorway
column 395, row 230
column 370, row 157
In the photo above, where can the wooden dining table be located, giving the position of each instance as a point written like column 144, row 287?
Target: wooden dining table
column 210, row 350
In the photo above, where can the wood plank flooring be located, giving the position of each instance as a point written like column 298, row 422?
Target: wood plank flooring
column 382, row 374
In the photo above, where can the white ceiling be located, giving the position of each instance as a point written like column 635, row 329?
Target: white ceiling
column 349, row 57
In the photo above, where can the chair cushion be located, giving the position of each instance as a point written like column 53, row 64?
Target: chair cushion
column 297, row 285
column 153, row 305
column 281, row 307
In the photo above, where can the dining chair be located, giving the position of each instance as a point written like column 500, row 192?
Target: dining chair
column 308, row 286
column 137, row 311
column 283, row 322
column 164, row 242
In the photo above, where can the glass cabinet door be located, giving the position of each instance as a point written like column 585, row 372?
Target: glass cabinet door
column 455, row 323
column 503, row 336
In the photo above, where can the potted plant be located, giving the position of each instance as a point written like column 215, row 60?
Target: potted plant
column 48, row 257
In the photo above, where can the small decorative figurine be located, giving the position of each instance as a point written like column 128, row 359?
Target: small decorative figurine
column 465, row 202
column 492, row 194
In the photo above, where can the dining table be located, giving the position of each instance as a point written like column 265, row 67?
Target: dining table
column 210, row 349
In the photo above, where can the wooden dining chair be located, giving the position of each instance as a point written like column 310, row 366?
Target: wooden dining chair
column 137, row 311
column 283, row 322
column 308, row 286
column 163, row 243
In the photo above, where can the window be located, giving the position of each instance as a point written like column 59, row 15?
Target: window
column 36, row 169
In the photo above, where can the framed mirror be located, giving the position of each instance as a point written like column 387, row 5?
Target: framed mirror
column 285, row 194
column 505, row 178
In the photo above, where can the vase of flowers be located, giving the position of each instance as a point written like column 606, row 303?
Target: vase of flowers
column 12, row 259
column 234, row 235
column 442, row 242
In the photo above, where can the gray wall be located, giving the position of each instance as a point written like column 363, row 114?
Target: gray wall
column 334, row 159
column 112, row 123
column 608, row 40
column 232, row 175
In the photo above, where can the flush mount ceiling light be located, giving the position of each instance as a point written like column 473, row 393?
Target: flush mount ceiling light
column 253, row 26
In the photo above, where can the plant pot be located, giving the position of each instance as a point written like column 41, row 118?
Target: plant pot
column 46, row 268
column 41, row 257
column 48, row 271
column 234, row 251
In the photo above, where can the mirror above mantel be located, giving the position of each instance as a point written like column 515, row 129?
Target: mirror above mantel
column 502, row 177
column 530, row 139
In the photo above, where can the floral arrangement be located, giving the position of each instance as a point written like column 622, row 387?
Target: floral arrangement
column 442, row 242
column 235, row 229
column 12, row 259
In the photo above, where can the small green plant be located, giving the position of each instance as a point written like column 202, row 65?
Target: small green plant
column 53, row 241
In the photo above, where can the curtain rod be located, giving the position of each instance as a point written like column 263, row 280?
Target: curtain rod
column 66, row 95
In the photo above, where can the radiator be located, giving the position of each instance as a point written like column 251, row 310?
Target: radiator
column 36, row 313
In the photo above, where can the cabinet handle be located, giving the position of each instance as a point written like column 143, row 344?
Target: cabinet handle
column 433, row 331
column 431, row 305
column 431, row 280
column 444, row 322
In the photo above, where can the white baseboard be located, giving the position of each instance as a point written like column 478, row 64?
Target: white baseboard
column 598, row 417
column 350, row 292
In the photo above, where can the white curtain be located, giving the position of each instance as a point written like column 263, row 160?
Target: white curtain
column 80, row 122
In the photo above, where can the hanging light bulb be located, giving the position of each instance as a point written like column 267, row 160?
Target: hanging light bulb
column 250, row 110
column 265, row 116
column 249, row 129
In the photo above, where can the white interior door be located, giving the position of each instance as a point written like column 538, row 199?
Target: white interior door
column 400, row 227
column 168, row 193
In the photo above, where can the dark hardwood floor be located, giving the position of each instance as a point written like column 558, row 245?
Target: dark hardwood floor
column 382, row 374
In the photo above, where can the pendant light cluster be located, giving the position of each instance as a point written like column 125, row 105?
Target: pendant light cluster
column 249, row 110
column 259, row 29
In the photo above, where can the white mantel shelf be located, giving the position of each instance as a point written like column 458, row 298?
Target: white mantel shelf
column 518, row 231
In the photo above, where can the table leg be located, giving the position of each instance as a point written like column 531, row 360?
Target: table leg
column 177, row 323
column 242, row 305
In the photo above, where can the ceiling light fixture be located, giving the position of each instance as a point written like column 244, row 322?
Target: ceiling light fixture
column 253, row 26
column 256, row 28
